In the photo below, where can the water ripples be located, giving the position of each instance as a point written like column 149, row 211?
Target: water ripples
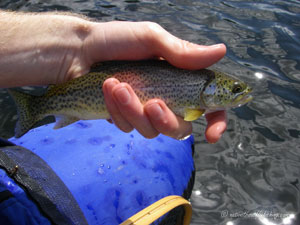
column 256, row 165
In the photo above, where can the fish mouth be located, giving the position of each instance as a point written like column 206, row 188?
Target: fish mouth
column 242, row 100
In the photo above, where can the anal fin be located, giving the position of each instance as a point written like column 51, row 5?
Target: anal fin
column 192, row 114
column 63, row 121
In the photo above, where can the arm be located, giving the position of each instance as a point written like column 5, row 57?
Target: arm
column 41, row 49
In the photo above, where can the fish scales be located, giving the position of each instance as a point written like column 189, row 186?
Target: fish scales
column 176, row 87
column 184, row 91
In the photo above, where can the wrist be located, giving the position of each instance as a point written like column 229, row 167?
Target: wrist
column 39, row 49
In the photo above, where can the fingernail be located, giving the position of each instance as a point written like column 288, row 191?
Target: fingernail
column 110, row 84
column 123, row 96
column 214, row 139
column 155, row 111
column 216, row 46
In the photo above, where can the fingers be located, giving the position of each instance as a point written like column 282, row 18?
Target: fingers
column 216, row 126
column 125, row 109
column 143, row 40
column 112, row 107
column 182, row 53
column 165, row 121
column 155, row 117
column 192, row 56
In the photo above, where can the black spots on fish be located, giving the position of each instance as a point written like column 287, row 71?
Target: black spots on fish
column 88, row 87
column 50, row 108
column 81, row 85
column 188, row 102
column 228, row 97
column 83, row 95
column 88, row 98
column 218, row 92
column 88, row 92
column 61, row 101
column 86, row 104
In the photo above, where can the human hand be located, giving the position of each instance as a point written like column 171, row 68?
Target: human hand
column 49, row 48
column 136, row 41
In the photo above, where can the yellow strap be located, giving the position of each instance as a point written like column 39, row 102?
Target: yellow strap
column 158, row 209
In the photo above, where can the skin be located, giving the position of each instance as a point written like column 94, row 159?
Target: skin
column 48, row 48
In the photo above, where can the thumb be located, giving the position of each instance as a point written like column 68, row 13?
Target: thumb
column 188, row 55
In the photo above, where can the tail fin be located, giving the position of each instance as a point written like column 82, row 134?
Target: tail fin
column 27, row 118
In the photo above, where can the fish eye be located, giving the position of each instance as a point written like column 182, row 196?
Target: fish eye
column 237, row 88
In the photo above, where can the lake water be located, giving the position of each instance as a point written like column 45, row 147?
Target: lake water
column 251, row 176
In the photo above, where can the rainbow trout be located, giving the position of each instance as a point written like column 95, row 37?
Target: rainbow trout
column 187, row 93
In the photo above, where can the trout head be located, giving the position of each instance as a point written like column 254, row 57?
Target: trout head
column 223, row 92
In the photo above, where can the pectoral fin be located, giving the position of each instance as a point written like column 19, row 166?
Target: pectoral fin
column 192, row 114
column 63, row 121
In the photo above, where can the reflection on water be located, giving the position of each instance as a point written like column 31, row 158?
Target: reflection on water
column 252, row 175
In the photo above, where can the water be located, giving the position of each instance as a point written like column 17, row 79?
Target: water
column 252, row 176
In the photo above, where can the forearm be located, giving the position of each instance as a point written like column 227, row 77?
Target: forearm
column 37, row 49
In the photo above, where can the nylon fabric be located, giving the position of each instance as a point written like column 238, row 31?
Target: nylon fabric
column 42, row 185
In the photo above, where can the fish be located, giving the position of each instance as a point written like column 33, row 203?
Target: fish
column 188, row 93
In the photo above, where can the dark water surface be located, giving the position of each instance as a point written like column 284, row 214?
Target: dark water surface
column 252, row 176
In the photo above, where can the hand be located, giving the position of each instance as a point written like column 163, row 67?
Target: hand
column 42, row 49
column 136, row 41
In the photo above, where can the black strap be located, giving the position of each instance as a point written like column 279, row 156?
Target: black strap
column 41, row 184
